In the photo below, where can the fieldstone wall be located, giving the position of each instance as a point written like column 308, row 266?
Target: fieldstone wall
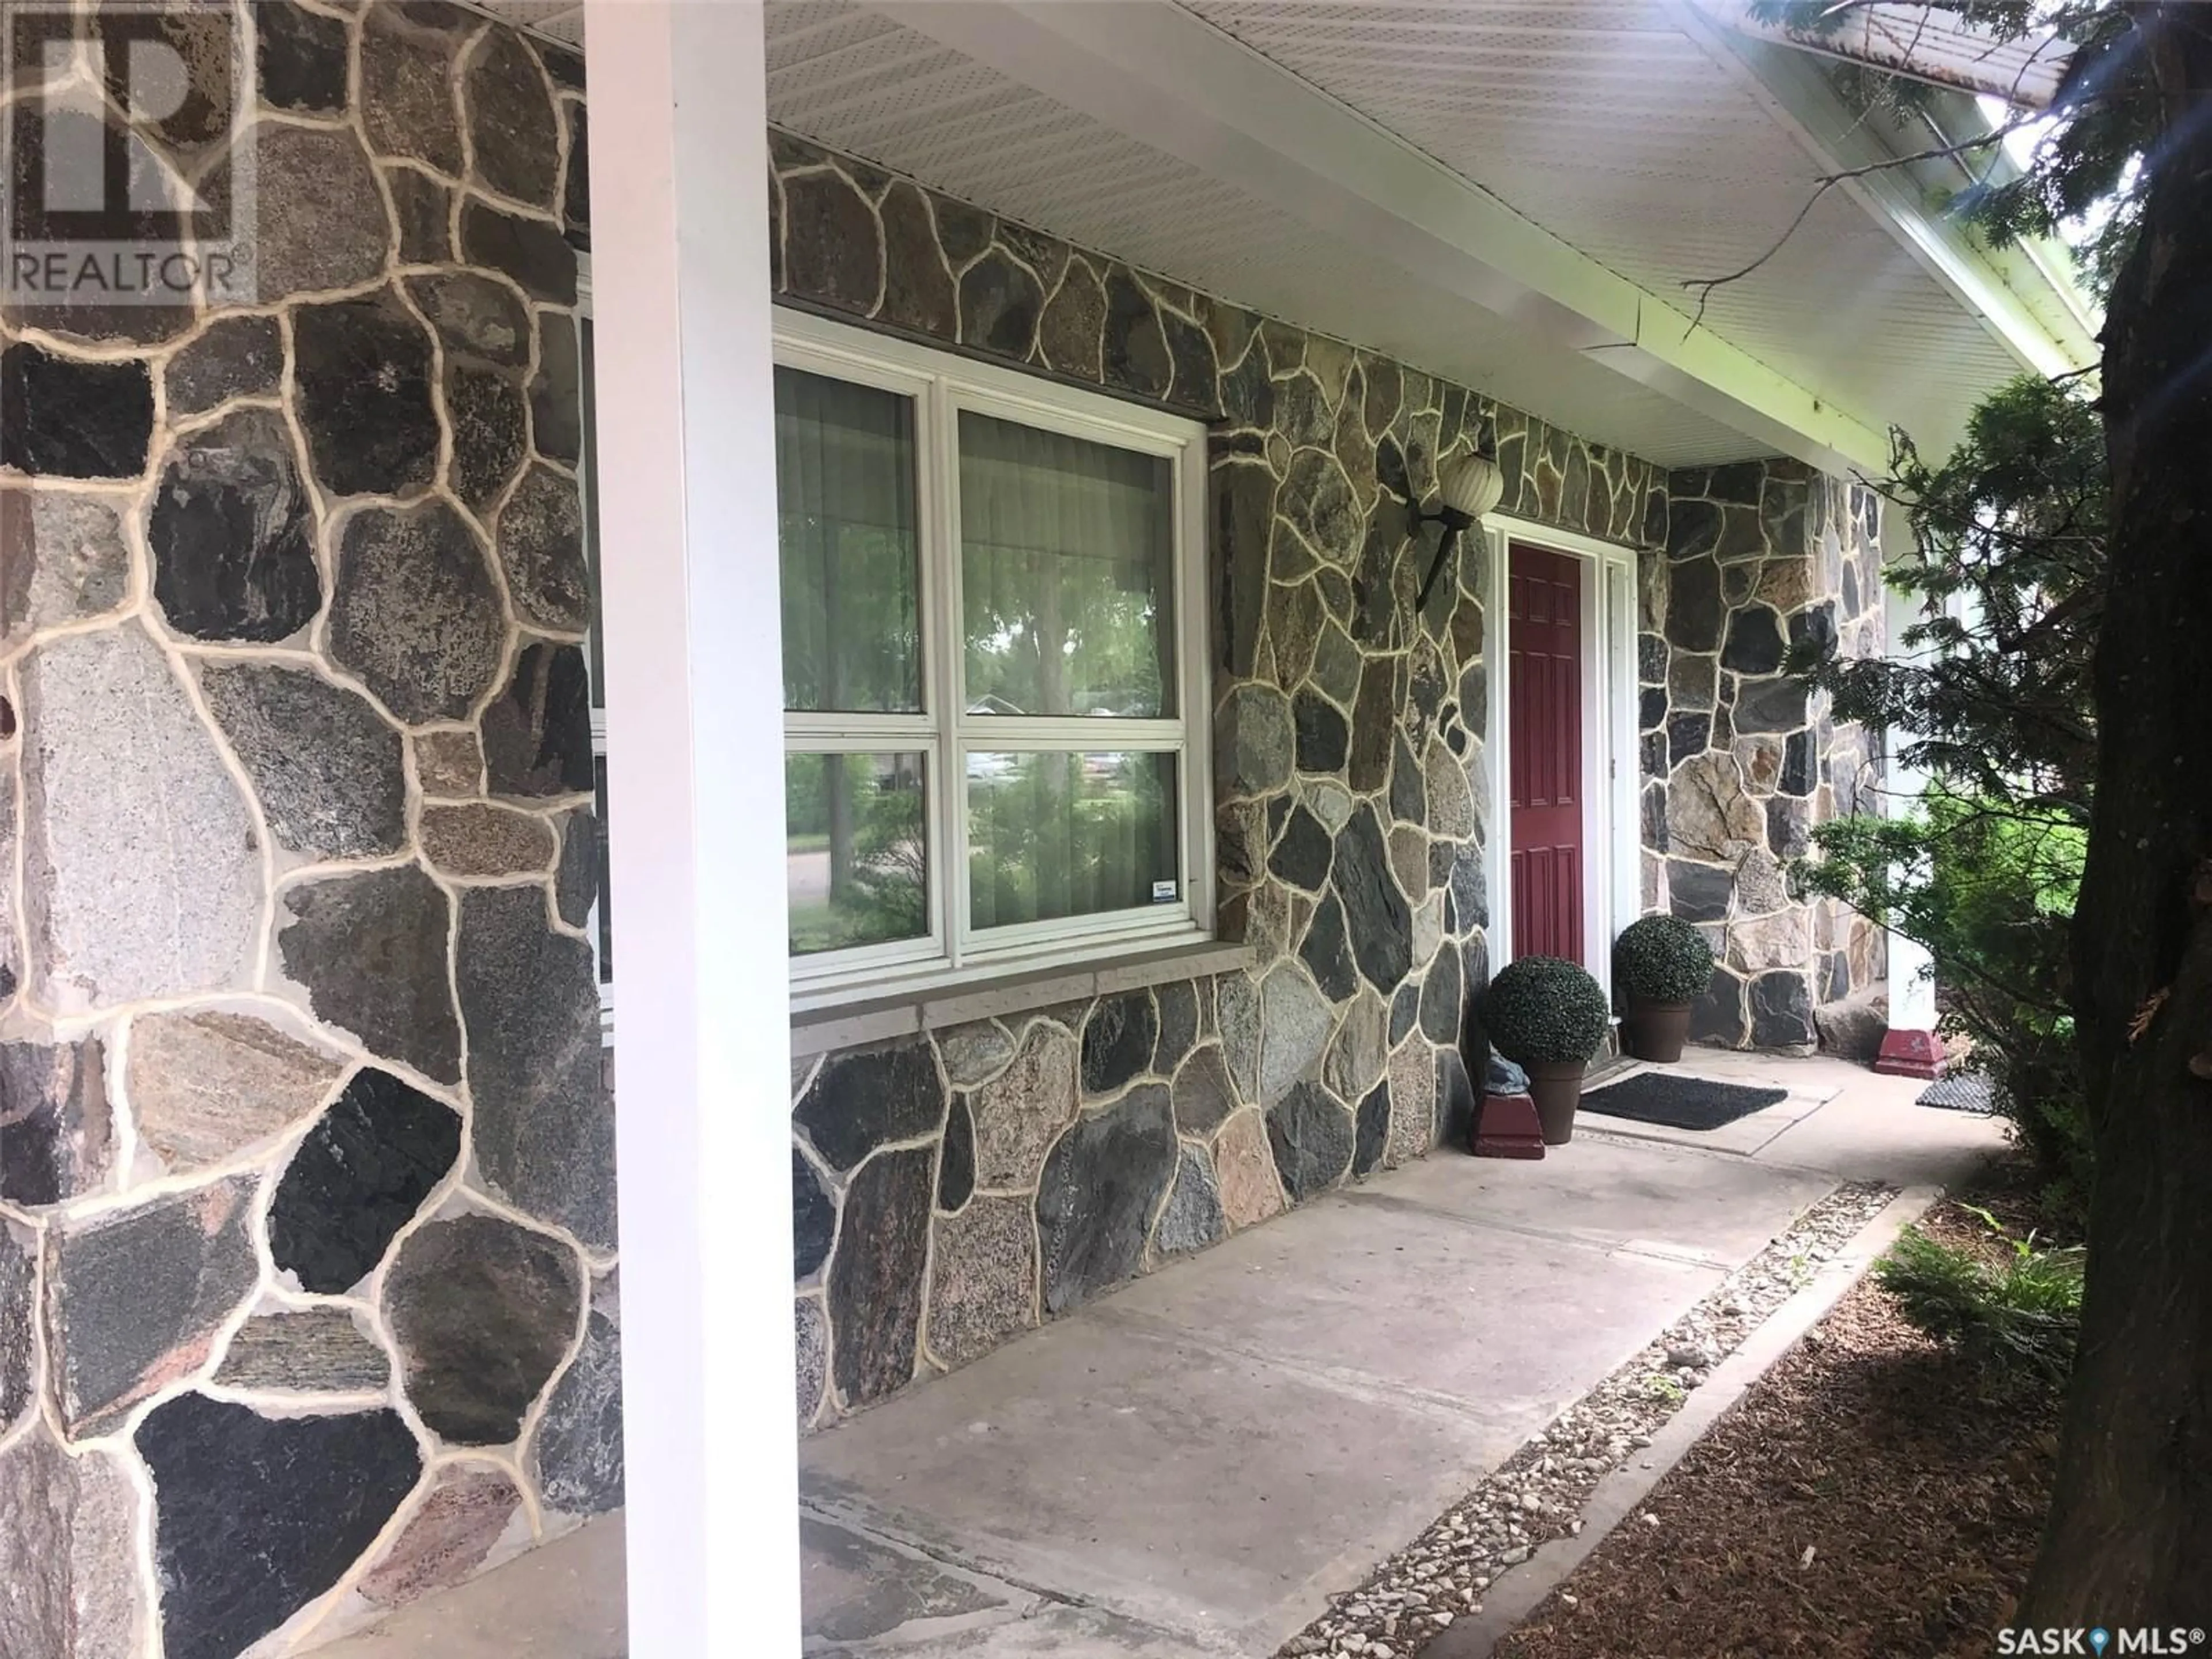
column 1740, row 761
column 306, row 1220
column 953, row 1190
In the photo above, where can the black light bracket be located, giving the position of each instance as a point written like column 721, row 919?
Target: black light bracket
column 1455, row 522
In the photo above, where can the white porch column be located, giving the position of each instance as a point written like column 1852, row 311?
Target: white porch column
column 687, row 509
column 1911, row 1048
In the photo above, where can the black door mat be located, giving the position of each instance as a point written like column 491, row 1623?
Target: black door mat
column 1967, row 1091
column 1679, row 1102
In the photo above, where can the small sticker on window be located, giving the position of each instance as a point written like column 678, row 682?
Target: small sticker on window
column 1163, row 892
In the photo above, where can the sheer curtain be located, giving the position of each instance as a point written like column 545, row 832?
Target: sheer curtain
column 1068, row 560
column 845, row 494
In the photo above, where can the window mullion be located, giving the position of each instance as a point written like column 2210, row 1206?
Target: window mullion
column 941, row 585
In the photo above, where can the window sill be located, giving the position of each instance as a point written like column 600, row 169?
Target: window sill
column 849, row 1025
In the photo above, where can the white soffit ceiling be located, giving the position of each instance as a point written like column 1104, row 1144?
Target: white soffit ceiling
column 859, row 82
column 557, row 19
column 1606, row 123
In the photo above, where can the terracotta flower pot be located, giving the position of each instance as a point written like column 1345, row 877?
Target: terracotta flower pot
column 1558, row 1089
column 1656, row 1031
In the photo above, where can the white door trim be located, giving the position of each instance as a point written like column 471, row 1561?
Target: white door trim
column 1611, row 880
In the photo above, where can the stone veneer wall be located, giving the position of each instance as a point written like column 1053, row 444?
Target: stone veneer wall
column 307, row 1224
column 955, row 1189
column 1740, row 761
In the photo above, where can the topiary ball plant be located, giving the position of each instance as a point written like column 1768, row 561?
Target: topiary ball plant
column 1663, row 959
column 1545, row 1010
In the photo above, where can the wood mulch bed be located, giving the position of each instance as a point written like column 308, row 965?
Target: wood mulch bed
column 1872, row 1494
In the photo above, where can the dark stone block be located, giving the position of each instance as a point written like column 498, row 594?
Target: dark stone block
column 1788, row 827
column 1470, row 887
column 1694, row 606
column 813, row 1218
column 1102, row 1183
column 1409, row 795
column 1742, row 536
column 1815, row 627
column 1781, row 1010
column 1772, row 705
column 359, row 1177
column 1326, row 952
column 1373, row 726
column 1754, row 641
column 65, row 419
column 232, row 534
column 576, row 878
column 1719, row 1015
column 256, row 1516
column 566, row 67
column 538, row 735
column 1203, row 1094
column 57, row 1129
column 576, row 188
column 1796, row 775
column 963, row 231
column 918, row 290
column 1323, row 735
column 1739, row 481
column 483, row 1312
column 407, row 102
column 1178, row 1008
column 414, row 614
column 832, row 247
column 424, row 209
column 1373, row 1132
column 1442, row 854
column 514, row 131
column 487, row 412
column 1000, row 305
column 1136, row 349
column 327, row 767
column 361, row 375
column 543, row 1129
column 302, row 56
column 476, row 316
column 1118, row 1040
column 1374, row 912
column 1654, row 802
column 1686, row 735
column 1244, row 510
column 557, row 395
column 1072, row 331
column 135, row 1297
column 1694, row 529
column 1193, row 1217
column 1191, row 350
column 18, row 1319
column 1652, row 712
column 540, row 542
column 1654, row 754
column 232, row 357
column 1736, row 582
column 1312, row 1138
column 1651, row 658
column 1303, row 851
column 861, row 1099
column 1699, row 892
column 1444, row 999
column 1405, row 1011
column 371, row 950
column 578, row 1447
column 956, row 1159
column 876, row 1276
column 531, row 251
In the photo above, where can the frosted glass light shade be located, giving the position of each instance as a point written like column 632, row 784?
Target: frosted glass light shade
column 1470, row 484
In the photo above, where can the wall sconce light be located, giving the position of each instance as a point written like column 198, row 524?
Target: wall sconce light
column 1467, row 486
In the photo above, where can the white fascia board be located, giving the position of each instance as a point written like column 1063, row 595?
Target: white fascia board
column 1156, row 71
column 2016, row 292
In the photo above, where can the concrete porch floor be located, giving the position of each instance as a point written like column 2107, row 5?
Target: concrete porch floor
column 1193, row 1463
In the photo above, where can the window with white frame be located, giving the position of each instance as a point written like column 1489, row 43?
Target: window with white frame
column 993, row 666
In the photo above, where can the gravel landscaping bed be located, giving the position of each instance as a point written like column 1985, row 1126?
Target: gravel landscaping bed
column 1538, row 1493
column 1873, row 1494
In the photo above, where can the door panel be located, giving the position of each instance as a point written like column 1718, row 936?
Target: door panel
column 1544, row 625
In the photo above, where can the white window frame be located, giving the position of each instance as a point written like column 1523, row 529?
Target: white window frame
column 943, row 385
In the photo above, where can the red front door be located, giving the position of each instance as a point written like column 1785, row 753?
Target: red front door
column 1544, row 630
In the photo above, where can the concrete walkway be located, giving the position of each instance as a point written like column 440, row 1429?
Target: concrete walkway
column 1193, row 1463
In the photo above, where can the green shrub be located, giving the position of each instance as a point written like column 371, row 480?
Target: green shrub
column 1544, row 1010
column 1663, row 959
column 2022, row 1317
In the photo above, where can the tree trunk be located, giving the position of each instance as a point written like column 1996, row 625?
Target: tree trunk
column 2130, row 1537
